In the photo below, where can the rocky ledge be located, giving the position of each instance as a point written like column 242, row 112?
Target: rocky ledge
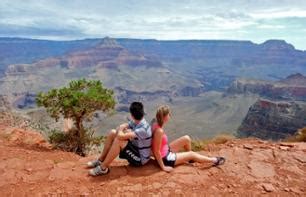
column 29, row 166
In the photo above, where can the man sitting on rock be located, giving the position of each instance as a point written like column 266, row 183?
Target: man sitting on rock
column 131, row 141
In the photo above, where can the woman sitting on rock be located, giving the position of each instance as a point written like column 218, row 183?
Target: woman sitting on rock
column 169, row 156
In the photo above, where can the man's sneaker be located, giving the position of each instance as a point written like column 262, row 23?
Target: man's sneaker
column 97, row 171
column 93, row 164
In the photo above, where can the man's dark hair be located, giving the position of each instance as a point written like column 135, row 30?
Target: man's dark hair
column 136, row 109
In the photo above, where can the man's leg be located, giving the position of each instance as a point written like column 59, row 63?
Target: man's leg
column 108, row 143
column 113, row 152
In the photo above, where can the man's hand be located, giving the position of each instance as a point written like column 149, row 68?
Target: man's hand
column 126, row 130
column 123, row 127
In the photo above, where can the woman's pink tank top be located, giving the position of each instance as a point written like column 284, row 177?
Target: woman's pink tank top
column 164, row 148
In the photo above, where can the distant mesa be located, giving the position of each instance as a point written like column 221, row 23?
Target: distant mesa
column 295, row 79
column 107, row 53
column 277, row 45
column 108, row 42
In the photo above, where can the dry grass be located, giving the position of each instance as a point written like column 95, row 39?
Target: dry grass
column 299, row 136
column 198, row 145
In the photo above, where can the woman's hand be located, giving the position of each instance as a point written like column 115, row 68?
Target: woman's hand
column 167, row 169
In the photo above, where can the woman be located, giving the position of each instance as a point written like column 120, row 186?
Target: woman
column 169, row 156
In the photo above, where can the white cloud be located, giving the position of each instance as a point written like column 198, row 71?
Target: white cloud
column 272, row 27
column 184, row 19
column 274, row 13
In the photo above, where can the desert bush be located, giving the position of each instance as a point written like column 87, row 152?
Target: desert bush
column 78, row 102
column 299, row 136
column 68, row 142
column 198, row 145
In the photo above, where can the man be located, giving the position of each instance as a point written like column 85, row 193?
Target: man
column 131, row 141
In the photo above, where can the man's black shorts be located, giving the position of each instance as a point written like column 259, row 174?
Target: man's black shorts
column 131, row 153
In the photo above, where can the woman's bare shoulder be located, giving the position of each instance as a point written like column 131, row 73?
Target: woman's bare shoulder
column 159, row 130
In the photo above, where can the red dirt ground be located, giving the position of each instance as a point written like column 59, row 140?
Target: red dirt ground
column 30, row 167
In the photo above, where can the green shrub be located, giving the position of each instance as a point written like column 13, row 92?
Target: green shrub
column 78, row 102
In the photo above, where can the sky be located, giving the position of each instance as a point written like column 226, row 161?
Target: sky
column 255, row 20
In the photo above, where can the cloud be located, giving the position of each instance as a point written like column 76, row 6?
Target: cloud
column 159, row 19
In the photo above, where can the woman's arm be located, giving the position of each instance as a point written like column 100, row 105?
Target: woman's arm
column 157, row 139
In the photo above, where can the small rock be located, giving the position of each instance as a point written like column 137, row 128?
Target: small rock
column 300, row 158
column 287, row 189
column 156, row 185
column 178, row 191
column 273, row 154
column 295, row 190
column 51, row 178
column 214, row 188
column 268, row 187
column 287, row 144
column 247, row 146
column 284, row 148
column 136, row 188
column 221, row 185
column 170, row 184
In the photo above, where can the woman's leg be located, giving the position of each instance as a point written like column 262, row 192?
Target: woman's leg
column 181, row 143
column 184, row 157
column 108, row 143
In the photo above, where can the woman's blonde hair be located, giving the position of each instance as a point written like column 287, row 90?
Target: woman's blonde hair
column 161, row 112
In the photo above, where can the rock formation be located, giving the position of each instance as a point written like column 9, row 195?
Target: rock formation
column 291, row 88
column 268, row 119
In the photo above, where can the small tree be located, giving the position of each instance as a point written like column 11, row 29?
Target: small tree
column 78, row 101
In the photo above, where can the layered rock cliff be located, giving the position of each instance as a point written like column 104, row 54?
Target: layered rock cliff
column 275, row 120
column 291, row 88
column 108, row 53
